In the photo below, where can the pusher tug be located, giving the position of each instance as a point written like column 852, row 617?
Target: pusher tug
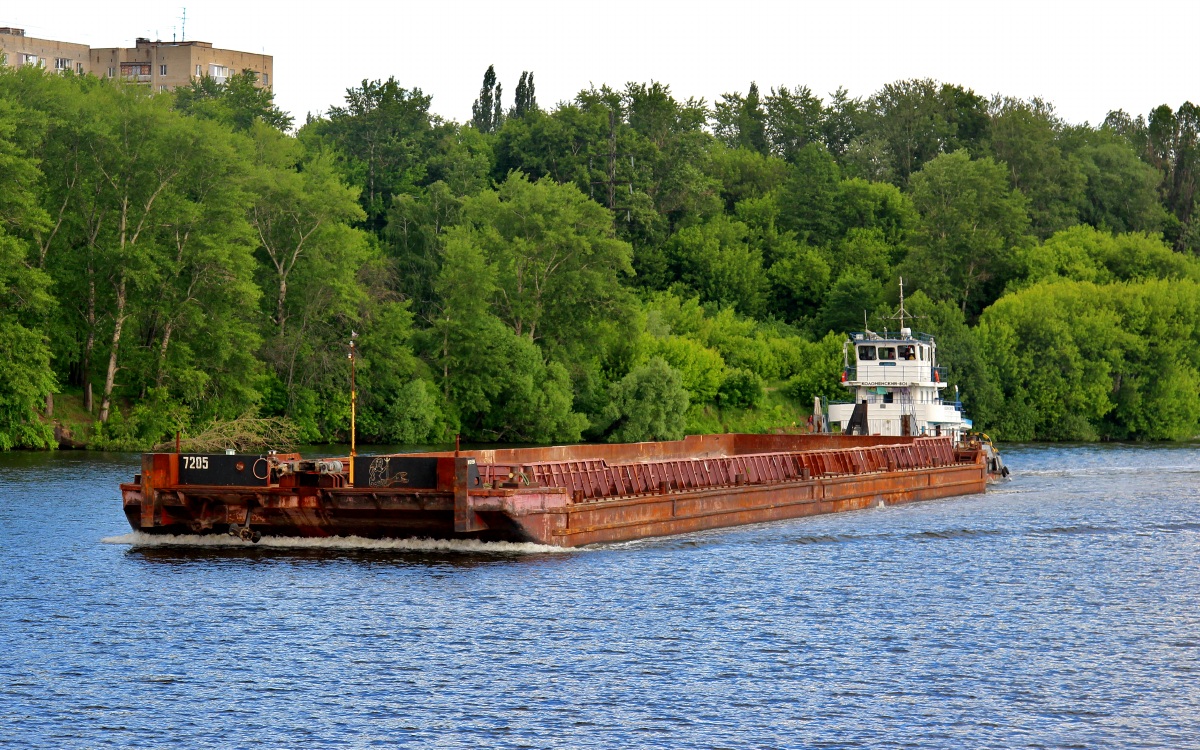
column 896, row 388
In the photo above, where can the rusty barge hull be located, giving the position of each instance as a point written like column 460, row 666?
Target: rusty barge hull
column 566, row 496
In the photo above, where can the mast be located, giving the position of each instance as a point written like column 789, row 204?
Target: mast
column 353, row 404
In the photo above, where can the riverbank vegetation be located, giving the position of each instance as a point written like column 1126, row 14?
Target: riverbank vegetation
column 623, row 266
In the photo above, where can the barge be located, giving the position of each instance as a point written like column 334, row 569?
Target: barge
column 897, row 442
column 566, row 496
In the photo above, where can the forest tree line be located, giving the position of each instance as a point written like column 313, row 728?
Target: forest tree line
column 623, row 266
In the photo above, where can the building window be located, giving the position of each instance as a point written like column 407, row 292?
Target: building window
column 198, row 71
column 266, row 79
column 62, row 63
column 79, row 68
column 162, row 70
column 112, row 72
column 29, row 59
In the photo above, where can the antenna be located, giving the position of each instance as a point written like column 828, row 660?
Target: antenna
column 901, row 314
column 183, row 27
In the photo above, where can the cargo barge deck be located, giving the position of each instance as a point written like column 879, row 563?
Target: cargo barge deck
column 566, row 496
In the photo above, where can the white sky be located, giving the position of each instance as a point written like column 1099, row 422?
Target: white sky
column 1086, row 57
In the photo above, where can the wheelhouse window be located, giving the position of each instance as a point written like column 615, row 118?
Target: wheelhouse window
column 887, row 352
column 866, row 353
column 908, row 352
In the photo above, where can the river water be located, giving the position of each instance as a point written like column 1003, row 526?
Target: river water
column 1059, row 610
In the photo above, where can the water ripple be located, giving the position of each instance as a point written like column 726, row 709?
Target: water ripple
column 1059, row 610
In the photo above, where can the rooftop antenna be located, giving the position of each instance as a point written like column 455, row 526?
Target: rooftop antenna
column 183, row 27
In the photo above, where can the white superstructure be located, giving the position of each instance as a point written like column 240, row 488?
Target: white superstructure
column 897, row 378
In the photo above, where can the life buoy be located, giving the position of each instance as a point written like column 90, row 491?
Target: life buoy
column 937, row 378
column 843, row 376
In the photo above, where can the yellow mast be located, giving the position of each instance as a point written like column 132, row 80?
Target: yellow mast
column 353, row 405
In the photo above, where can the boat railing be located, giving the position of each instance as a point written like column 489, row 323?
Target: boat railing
column 895, row 372
column 877, row 336
column 596, row 479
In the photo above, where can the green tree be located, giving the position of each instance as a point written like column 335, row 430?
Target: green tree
column 799, row 279
column 842, row 122
column 238, row 102
column 311, row 261
column 808, row 198
column 526, row 98
column 961, row 354
column 486, row 113
column 741, row 389
column 856, row 291
column 415, row 228
column 741, row 122
column 741, row 174
column 398, row 404
column 818, row 371
column 558, row 264
column 495, row 378
column 918, row 119
column 1081, row 361
column 200, row 315
column 1083, row 253
column 1026, row 138
column 1122, row 190
column 24, row 300
column 383, row 136
column 716, row 260
column 650, row 403
column 795, row 118
column 135, row 140
column 876, row 207
column 1169, row 141
column 971, row 223
column 701, row 368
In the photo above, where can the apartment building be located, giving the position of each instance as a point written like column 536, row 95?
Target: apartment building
column 19, row 50
column 160, row 65
column 165, row 65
